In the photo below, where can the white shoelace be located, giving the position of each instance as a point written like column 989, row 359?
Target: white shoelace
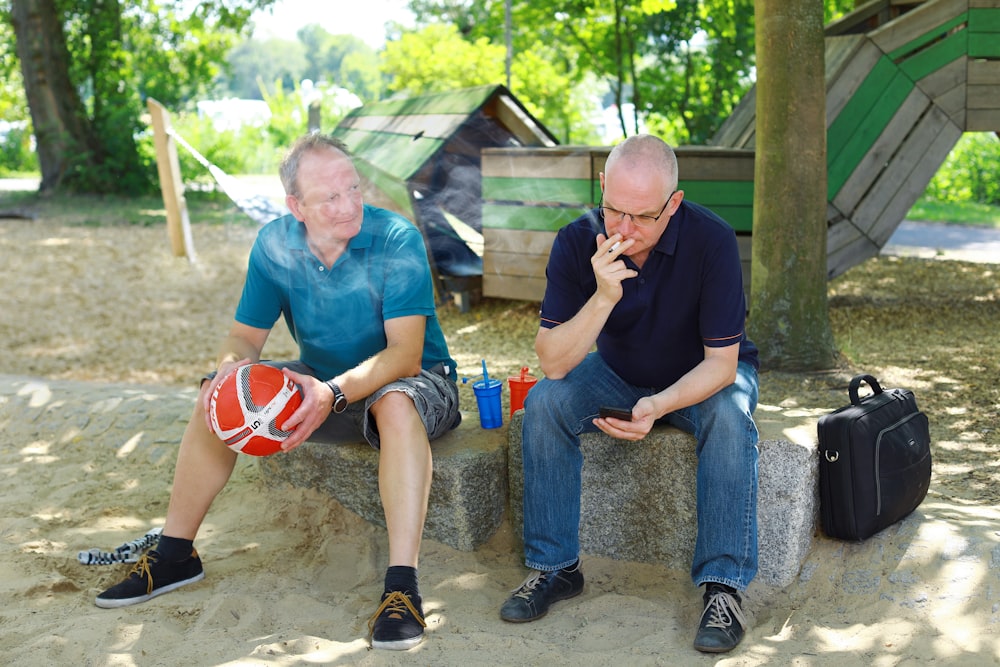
column 126, row 553
column 723, row 608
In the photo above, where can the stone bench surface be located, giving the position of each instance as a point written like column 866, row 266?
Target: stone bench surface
column 468, row 495
column 638, row 499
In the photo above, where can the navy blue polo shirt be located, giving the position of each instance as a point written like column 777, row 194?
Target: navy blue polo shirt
column 688, row 295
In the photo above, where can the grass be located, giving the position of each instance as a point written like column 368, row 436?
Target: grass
column 960, row 213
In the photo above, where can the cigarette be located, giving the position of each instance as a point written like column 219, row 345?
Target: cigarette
column 615, row 246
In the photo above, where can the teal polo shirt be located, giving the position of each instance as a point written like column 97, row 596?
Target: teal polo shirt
column 337, row 316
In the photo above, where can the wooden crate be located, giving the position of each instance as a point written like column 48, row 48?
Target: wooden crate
column 531, row 193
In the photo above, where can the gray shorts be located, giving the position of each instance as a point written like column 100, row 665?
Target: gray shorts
column 434, row 394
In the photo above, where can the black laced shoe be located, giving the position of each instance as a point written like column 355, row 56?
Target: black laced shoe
column 723, row 622
column 533, row 598
column 149, row 577
column 398, row 624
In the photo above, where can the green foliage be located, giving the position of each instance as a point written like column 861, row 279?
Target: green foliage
column 436, row 59
column 257, row 60
column 969, row 172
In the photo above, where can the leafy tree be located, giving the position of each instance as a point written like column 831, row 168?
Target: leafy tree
column 436, row 59
column 789, row 317
column 683, row 64
column 256, row 60
column 87, row 65
column 342, row 60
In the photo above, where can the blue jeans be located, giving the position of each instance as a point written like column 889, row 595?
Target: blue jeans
column 558, row 411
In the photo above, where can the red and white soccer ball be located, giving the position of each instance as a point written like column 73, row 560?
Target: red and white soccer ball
column 249, row 404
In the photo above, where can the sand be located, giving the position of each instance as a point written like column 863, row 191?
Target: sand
column 92, row 315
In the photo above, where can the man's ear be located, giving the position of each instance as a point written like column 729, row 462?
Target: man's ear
column 292, row 202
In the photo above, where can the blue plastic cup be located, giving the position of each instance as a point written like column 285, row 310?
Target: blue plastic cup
column 488, row 398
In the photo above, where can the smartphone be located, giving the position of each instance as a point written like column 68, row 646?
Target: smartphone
column 617, row 413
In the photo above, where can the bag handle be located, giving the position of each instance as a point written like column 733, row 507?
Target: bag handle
column 856, row 381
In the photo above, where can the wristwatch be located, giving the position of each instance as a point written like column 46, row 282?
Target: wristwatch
column 339, row 400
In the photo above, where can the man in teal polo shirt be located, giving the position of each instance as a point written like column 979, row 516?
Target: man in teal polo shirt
column 654, row 283
column 354, row 286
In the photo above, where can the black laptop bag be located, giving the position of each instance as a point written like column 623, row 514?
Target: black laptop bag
column 874, row 461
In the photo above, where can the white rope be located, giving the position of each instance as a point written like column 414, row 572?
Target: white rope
column 126, row 553
column 258, row 208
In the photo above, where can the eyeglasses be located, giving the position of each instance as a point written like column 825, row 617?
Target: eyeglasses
column 614, row 216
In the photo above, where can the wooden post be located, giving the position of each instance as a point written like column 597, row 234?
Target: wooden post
column 169, row 169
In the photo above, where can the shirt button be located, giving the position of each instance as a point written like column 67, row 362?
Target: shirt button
column 321, row 267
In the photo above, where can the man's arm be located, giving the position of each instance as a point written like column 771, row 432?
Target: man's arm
column 716, row 371
column 242, row 345
column 400, row 358
column 561, row 348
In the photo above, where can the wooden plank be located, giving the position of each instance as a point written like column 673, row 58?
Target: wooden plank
column 905, row 169
column 841, row 235
column 520, row 123
column 945, row 79
column 953, row 101
column 984, row 45
column 841, row 90
column 515, row 264
column 463, row 101
column 723, row 193
column 168, row 168
column 714, row 164
column 958, row 118
column 859, row 125
column 984, row 97
column 924, row 168
column 549, row 163
column 437, row 125
column 510, row 287
column 515, row 240
column 984, row 19
column 951, row 49
column 867, row 176
column 738, row 130
column 863, row 16
column 849, row 256
column 983, row 72
column 919, row 26
column 530, row 189
column 984, row 4
column 982, row 120
column 531, row 218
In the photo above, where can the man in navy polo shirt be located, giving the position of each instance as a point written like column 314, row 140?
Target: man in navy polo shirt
column 655, row 283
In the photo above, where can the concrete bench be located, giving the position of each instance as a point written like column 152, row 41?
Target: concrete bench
column 638, row 499
column 468, row 495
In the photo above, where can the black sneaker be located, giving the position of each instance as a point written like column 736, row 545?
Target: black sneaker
column 533, row 598
column 398, row 624
column 723, row 622
column 150, row 577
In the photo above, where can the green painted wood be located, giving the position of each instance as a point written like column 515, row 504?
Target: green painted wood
column 984, row 19
column 537, row 189
column 860, row 105
column 709, row 193
column 529, row 218
column 398, row 155
column 391, row 187
column 984, row 45
column 856, row 139
column 928, row 37
column 463, row 101
column 936, row 56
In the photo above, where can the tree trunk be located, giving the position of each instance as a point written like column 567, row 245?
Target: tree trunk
column 57, row 114
column 789, row 317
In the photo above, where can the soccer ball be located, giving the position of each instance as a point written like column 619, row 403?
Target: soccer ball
column 249, row 404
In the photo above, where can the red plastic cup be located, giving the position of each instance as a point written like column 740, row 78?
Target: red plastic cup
column 519, row 387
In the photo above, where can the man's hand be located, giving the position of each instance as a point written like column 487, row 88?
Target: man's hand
column 208, row 388
column 609, row 270
column 643, row 416
column 317, row 400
